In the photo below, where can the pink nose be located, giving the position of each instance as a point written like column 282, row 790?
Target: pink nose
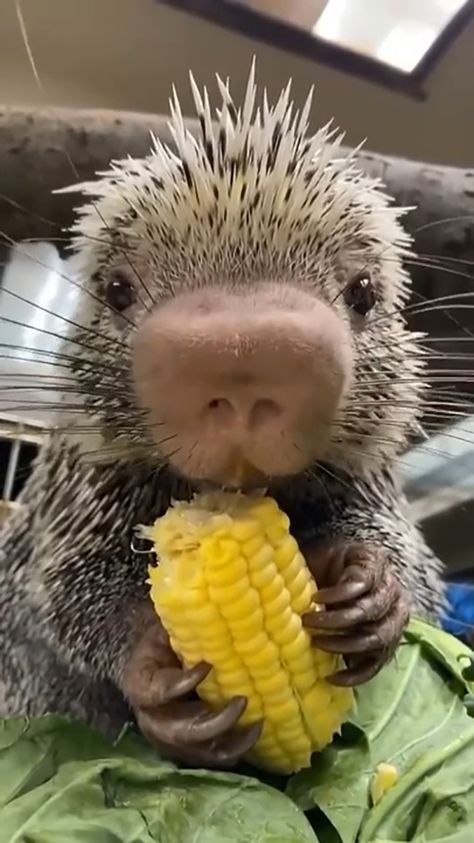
column 244, row 378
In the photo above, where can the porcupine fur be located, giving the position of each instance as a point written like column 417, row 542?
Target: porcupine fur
column 254, row 196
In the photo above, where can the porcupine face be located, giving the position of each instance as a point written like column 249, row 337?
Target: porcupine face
column 247, row 289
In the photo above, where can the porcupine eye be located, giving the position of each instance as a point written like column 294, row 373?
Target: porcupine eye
column 119, row 292
column 359, row 294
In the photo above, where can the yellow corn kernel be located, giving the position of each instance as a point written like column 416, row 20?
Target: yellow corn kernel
column 385, row 777
column 230, row 587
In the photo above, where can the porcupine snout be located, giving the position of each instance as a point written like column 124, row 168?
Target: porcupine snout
column 243, row 386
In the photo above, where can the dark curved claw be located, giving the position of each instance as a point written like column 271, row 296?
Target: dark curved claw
column 344, row 645
column 172, row 683
column 345, row 592
column 160, row 693
column 191, row 721
column 193, row 734
column 238, row 745
column 371, row 606
column 361, row 671
column 369, row 651
column 338, row 619
column 204, row 724
column 364, row 608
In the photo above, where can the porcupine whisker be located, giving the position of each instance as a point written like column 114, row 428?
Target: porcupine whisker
column 429, row 449
column 367, row 393
column 68, row 321
column 59, row 355
column 65, row 277
column 44, row 358
column 34, row 215
column 402, row 459
column 451, row 406
column 41, row 376
column 312, row 474
column 28, row 212
column 52, row 387
column 320, row 467
column 428, row 306
column 191, row 451
column 454, row 340
column 416, row 310
column 162, row 460
column 425, row 264
column 37, row 78
column 450, row 317
column 468, row 439
column 447, row 356
column 431, row 375
column 45, row 331
column 30, row 382
column 435, row 407
column 438, row 379
column 412, row 257
column 433, row 411
column 440, row 258
column 437, row 392
column 59, row 239
column 57, row 364
column 444, row 221
column 455, row 393
column 397, row 423
column 16, row 405
column 427, row 425
column 50, row 382
column 449, row 379
column 28, row 408
column 94, row 429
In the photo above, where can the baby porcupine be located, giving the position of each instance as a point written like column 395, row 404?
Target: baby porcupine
column 243, row 324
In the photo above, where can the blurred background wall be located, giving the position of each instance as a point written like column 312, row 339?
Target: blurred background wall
column 125, row 54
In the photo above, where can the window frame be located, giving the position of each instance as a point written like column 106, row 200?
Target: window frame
column 253, row 24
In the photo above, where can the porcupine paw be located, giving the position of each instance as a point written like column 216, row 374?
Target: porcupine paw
column 366, row 609
column 169, row 714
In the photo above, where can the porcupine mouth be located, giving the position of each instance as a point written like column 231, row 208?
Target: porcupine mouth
column 254, row 487
column 250, row 480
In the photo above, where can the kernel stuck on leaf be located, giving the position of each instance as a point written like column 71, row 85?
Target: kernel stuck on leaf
column 385, row 777
column 230, row 588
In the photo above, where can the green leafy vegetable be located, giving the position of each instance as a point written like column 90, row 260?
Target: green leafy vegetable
column 61, row 782
column 411, row 716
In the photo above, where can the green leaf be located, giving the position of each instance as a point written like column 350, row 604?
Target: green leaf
column 433, row 796
column 60, row 781
column 338, row 784
column 446, row 649
column 412, row 717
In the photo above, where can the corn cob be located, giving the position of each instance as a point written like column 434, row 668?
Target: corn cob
column 230, row 587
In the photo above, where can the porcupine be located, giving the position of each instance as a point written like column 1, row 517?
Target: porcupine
column 241, row 323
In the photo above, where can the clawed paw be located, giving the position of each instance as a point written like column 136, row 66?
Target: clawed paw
column 365, row 612
column 174, row 720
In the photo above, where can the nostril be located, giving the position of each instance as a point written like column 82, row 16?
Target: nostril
column 225, row 412
column 263, row 411
column 220, row 409
column 217, row 403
